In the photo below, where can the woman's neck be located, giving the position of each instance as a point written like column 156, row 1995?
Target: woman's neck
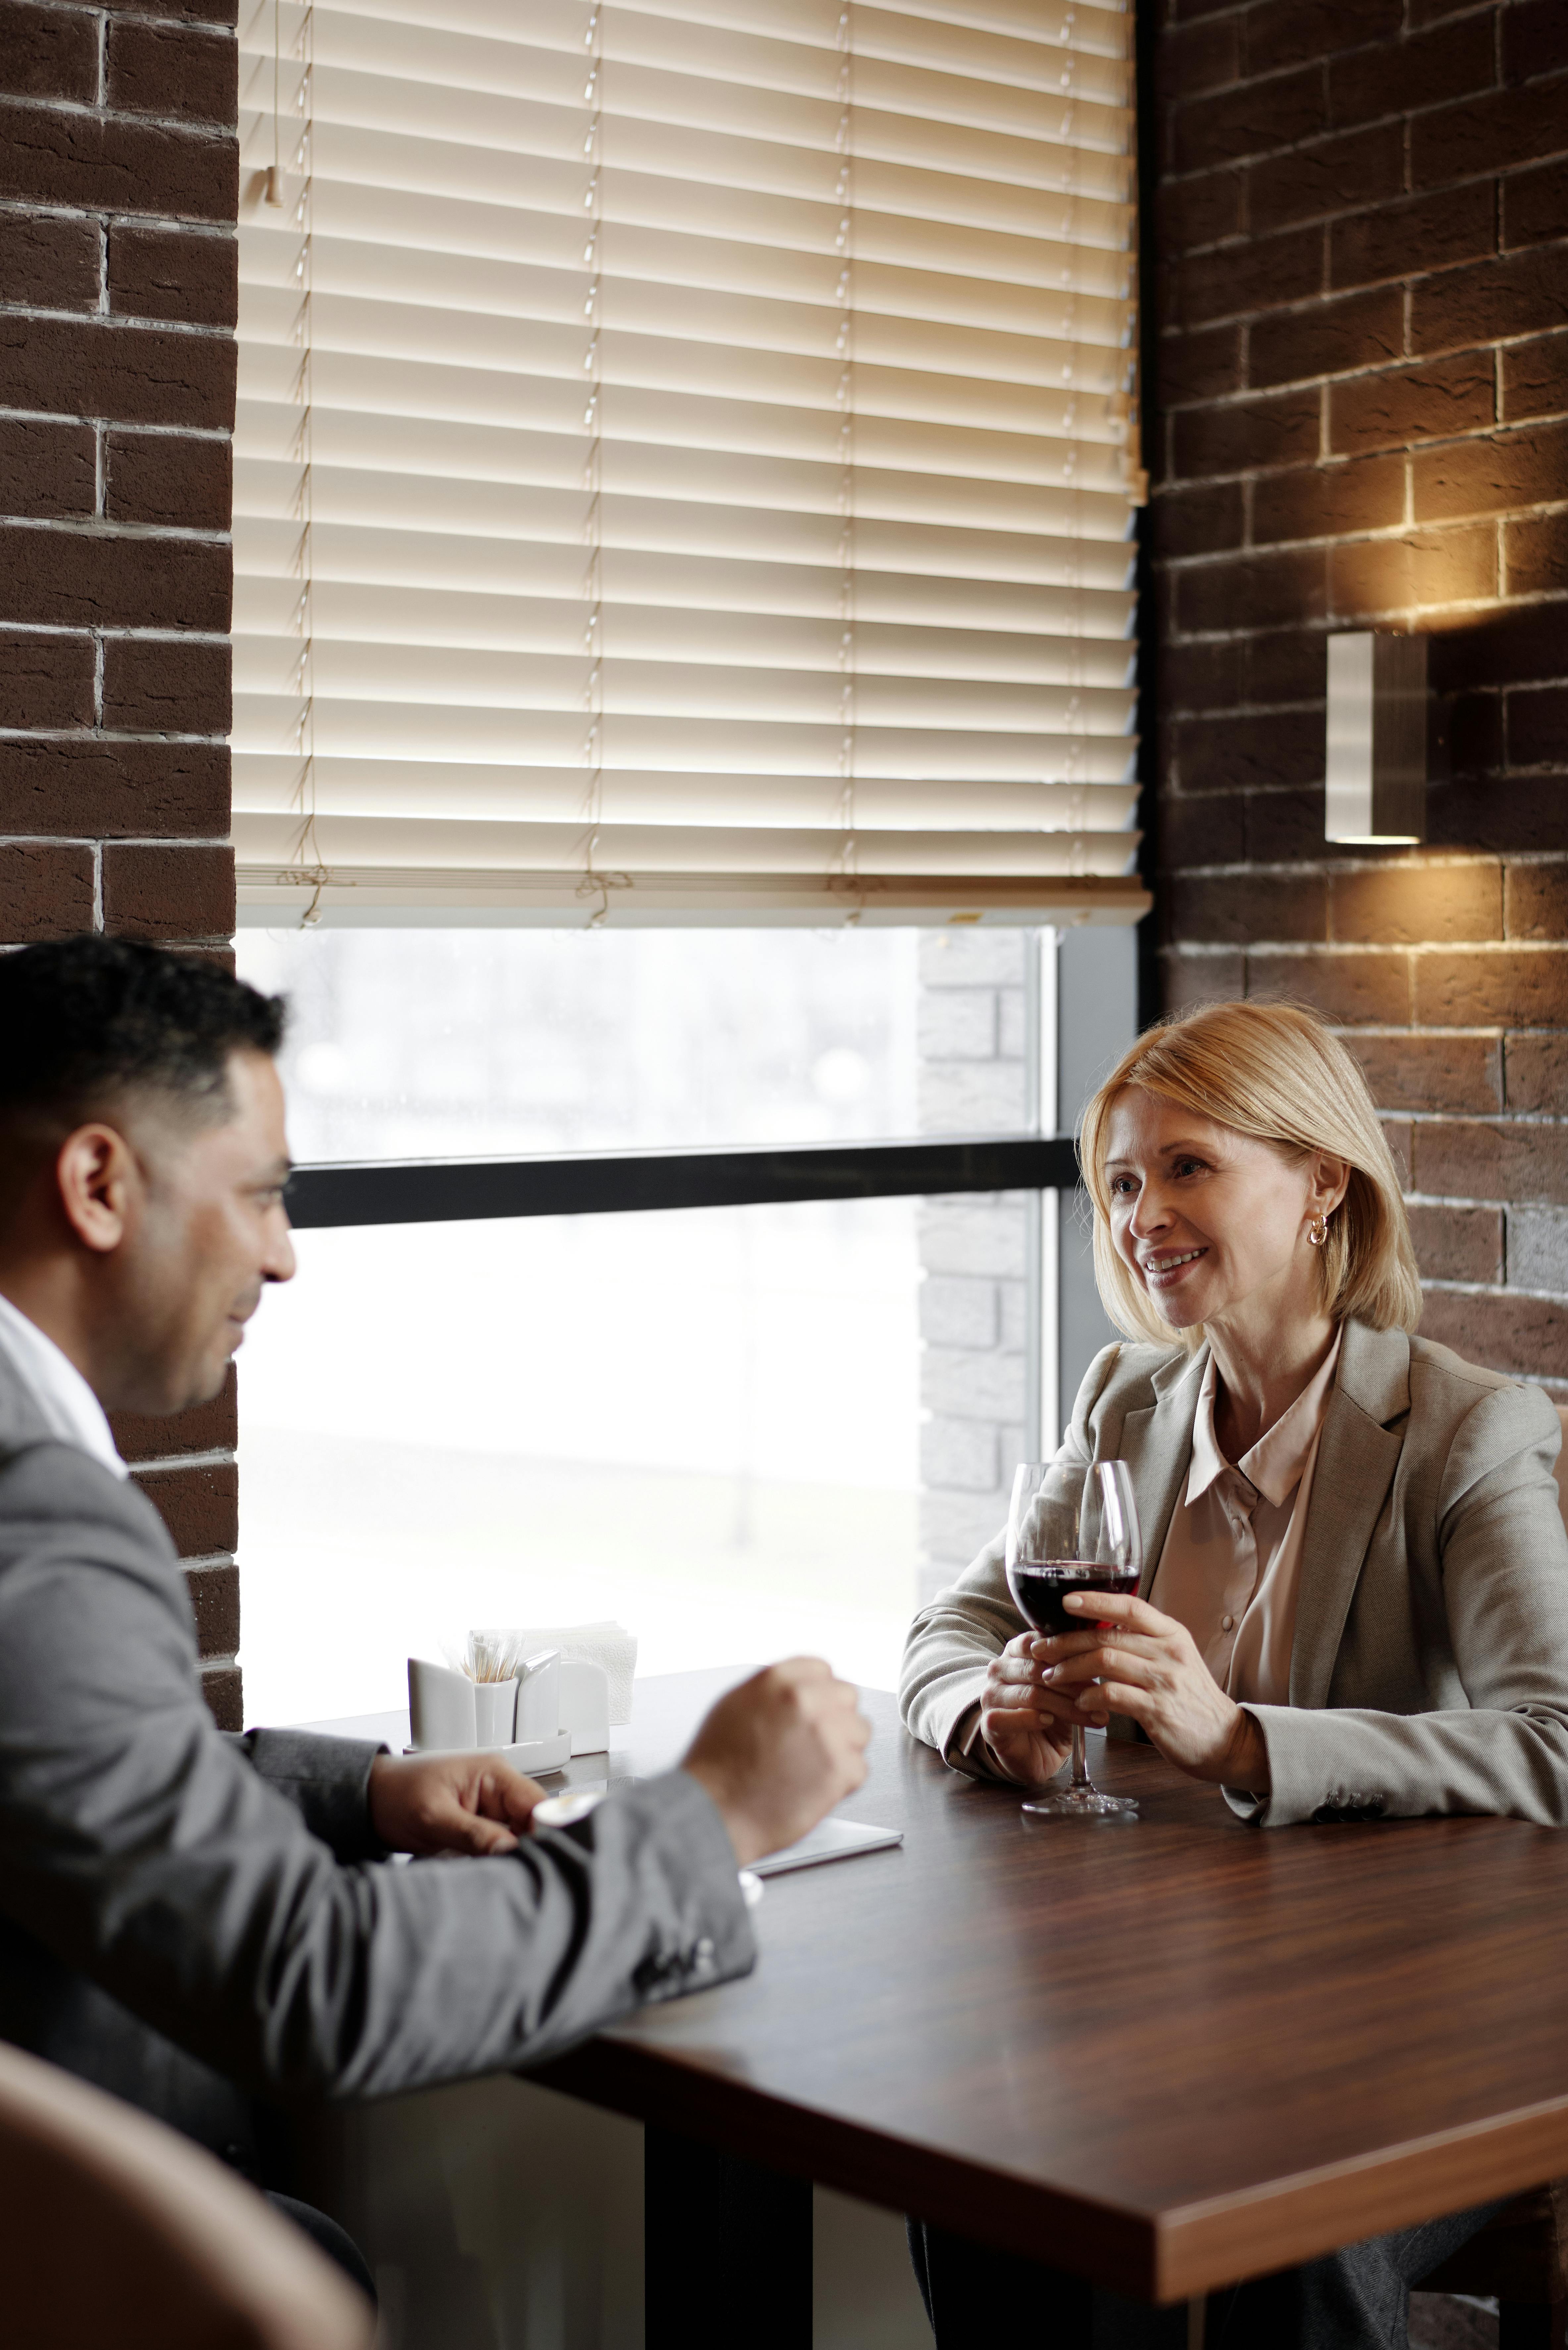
column 1260, row 1375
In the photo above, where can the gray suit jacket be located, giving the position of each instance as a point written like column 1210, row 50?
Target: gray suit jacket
column 186, row 1916
column 1429, row 1669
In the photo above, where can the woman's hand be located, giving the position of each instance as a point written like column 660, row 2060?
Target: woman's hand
column 1147, row 1666
column 1026, row 1723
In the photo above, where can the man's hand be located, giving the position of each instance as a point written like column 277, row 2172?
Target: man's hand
column 449, row 1803
column 1148, row 1666
column 778, row 1752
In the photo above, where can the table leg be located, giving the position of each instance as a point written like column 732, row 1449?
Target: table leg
column 726, row 2249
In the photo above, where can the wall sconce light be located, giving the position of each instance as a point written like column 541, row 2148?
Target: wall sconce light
column 1377, row 765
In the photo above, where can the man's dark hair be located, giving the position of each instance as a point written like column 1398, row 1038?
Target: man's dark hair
column 88, row 1020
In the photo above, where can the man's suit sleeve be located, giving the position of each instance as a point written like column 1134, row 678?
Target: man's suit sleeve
column 140, row 1847
column 327, row 1780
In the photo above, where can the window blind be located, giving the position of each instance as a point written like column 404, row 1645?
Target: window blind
column 685, row 460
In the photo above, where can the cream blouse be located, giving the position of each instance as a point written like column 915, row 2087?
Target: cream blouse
column 1231, row 1560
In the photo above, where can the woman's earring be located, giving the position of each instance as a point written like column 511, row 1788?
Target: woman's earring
column 1317, row 1230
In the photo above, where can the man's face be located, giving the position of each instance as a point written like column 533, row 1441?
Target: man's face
column 208, row 1231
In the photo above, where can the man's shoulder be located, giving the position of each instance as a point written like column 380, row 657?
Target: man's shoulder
column 21, row 1421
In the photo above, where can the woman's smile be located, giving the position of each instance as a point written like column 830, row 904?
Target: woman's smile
column 1162, row 1269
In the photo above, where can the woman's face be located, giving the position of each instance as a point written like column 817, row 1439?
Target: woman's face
column 1209, row 1220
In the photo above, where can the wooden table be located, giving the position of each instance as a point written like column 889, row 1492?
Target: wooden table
column 1165, row 2055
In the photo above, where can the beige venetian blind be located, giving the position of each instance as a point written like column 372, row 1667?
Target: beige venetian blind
column 684, row 462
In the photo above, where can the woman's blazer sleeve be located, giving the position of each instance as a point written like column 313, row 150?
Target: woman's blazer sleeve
column 952, row 1641
column 1504, row 1591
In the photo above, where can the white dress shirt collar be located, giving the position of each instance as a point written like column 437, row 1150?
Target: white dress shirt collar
column 1273, row 1465
column 69, row 1405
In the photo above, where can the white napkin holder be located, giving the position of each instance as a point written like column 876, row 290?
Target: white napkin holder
column 519, row 1720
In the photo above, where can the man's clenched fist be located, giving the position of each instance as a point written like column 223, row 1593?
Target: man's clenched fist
column 779, row 1751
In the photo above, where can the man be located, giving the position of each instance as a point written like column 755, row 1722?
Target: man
column 185, row 1918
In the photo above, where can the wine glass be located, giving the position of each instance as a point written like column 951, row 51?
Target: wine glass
column 1072, row 1526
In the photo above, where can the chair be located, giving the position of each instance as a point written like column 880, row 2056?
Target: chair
column 116, row 2231
column 1521, row 2256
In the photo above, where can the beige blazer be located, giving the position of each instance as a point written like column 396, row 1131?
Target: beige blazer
column 1429, row 1670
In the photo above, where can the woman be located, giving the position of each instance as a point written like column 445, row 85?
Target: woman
column 1355, row 1587
column 1355, row 1600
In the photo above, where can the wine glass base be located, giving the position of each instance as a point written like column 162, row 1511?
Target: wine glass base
column 1079, row 1804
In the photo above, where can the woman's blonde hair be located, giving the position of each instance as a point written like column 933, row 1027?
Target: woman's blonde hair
column 1274, row 1072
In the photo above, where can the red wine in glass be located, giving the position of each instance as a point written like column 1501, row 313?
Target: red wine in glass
column 1072, row 1526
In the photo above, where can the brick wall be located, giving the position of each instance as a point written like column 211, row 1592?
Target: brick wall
column 118, row 193
column 973, row 1247
column 1360, row 386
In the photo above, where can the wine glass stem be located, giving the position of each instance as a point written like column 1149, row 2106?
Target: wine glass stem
column 1080, row 1759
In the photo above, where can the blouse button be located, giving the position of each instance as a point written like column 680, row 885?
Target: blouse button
column 1226, row 1623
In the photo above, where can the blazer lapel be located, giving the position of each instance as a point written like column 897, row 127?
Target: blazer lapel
column 1156, row 1445
column 1356, row 1465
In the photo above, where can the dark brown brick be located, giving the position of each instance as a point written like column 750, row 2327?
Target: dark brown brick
column 1323, row 501
column 104, row 164
column 1537, row 901
column 175, row 71
column 1475, row 734
column 1535, row 204
column 1251, row 120
column 1526, row 1335
column 1201, row 211
column 1400, row 77
column 1197, row 366
column 1201, row 828
column 173, row 478
column 1502, row 649
column 1432, row 401
column 1232, row 279
column 1458, row 1243
column 1537, row 732
column 166, row 685
column 1534, row 39
column 46, row 891
column 47, row 469
column 1492, row 990
column 169, row 273
column 1397, row 1135
column 1350, row 990
column 1492, row 133
column 1236, row 909
column 189, row 11
column 1230, row 753
column 1331, row 175
column 51, row 263
column 1290, row 665
column 1245, row 433
column 1197, row 57
column 1260, row 591
column 1536, row 1074
column 1535, row 377
column 1188, row 979
column 1481, row 1159
column 1415, row 905
column 79, row 579
column 1202, row 677
column 1424, row 566
column 1401, row 240
column 167, row 892
column 1290, row 32
column 206, row 1428
column 1197, row 522
column 225, row 1694
column 45, row 680
column 87, row 788
column 1285, row 827
column 135, row 375
column 1536, row 553
column 1517, row 294
column 47, row 52
column 1471, row 813
column 199, row 1506
column 1356, row 330
column 215, row 1603
column 1431, row 1073
column 1495, row 474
